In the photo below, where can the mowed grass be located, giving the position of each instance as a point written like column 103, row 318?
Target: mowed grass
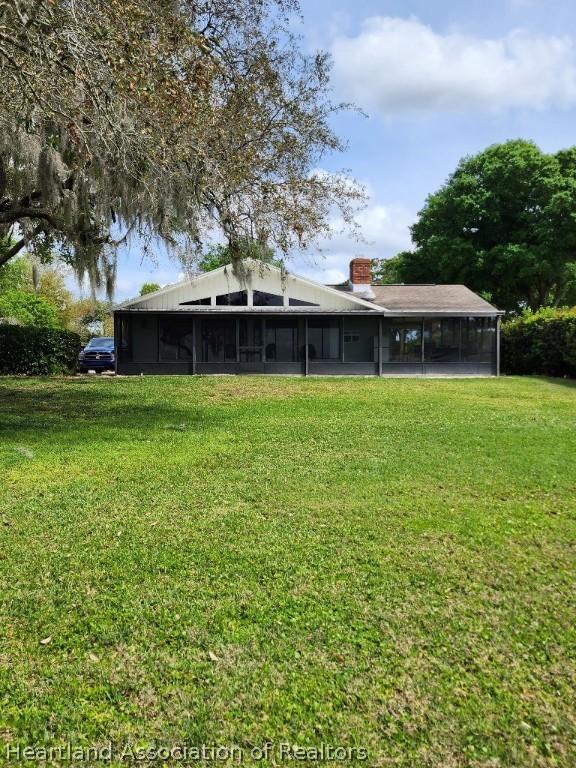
column 386, row 564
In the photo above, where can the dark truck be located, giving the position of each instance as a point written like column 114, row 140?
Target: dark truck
column 97, row 355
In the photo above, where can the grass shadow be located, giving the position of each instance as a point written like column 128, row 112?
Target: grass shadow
column 68, row 410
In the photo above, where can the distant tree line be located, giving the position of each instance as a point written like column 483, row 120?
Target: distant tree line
column 35, row 294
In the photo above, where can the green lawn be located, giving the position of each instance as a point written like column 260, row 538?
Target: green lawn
column 377, row 564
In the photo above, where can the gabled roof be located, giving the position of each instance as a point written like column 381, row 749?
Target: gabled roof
column 428, row 298
column 255, row 275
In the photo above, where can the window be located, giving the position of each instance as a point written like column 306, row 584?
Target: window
column 206, row 300
column 235, row 299
column 263, row 299
column 175, row 340
column 406, row 341
column 101, row 342
column 478, row 339
column 324, row 339
column 442, row 340
column 300, row 303
column 281, row 340
column 218, row 340
column 351, row 337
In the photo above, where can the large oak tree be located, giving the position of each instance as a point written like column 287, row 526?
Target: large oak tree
column 161, row 118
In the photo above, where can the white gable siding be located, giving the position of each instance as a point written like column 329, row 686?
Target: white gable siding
column 253, row 277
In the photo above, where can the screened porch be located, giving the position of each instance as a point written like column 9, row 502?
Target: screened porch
column 289, row 343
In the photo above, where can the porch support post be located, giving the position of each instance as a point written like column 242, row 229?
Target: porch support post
column 116, row 340
column 193, row 345
column 380, row 335
column 498, row 345
column 263, row 337
column 422, row 356
column 238, row 340
column 306, row 346
column 157, row 320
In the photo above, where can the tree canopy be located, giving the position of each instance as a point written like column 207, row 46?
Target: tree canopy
column 25, row 308
column 33, row 293
column 163, row 119
column 217, row 255
column 504, row 224
column 147, row 288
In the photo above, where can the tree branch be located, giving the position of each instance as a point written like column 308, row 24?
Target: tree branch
column 19, row 245
column 15, row 214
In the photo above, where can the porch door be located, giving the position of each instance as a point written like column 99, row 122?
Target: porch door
column 251, row 344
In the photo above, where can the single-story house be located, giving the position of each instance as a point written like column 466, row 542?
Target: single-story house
column 258, row 318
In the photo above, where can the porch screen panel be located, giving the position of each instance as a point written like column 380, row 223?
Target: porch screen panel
column 324, row 339
column 281, row 340
column 250, row 339
column 360, row 340
column 478, row 339
column 124, row 339
column 186, row 343
column 175, row 339
column 218, row 340
column 406, row 341
column 442, row 340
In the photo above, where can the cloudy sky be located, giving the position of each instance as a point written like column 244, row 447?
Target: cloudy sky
column 437, row 80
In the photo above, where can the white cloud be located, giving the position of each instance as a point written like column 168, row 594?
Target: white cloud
column 401, row 65
column 385, row 229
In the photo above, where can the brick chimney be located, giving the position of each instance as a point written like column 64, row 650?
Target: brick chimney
column 361, row 277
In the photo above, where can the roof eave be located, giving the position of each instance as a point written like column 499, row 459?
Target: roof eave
column 376, row 311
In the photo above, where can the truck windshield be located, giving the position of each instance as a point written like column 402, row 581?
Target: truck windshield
column 101, row 343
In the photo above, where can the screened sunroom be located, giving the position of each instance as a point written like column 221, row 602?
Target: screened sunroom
column 268, row 321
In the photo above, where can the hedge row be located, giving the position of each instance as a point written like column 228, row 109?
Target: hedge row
column 26, row 349
column 540, row 343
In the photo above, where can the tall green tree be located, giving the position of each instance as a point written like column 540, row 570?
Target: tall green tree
column 15, row 275
column 25, row 308
column 387, row 271
column 504, row 224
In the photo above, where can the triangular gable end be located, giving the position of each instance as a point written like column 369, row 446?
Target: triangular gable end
column 256, row 279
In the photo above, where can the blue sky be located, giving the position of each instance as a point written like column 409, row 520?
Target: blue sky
column 438, row 80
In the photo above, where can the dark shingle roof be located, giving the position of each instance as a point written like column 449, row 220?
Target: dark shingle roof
column 426, row 298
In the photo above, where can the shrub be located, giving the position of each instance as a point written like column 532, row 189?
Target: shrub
column 26, row 349
column 542, row 342
column 28, row 309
